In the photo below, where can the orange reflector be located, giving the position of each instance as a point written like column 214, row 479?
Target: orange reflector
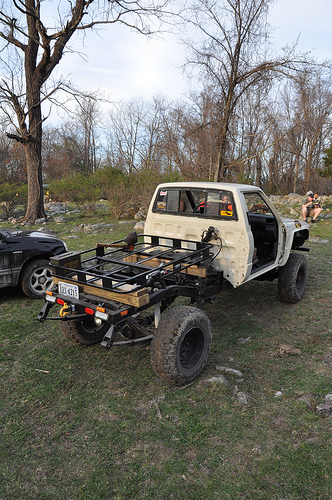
column 60, row 301
column 124, row 313
column 89, row 311
column 49, row 293
column 101, row 309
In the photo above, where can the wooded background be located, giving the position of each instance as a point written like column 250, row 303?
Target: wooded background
column 260, row 116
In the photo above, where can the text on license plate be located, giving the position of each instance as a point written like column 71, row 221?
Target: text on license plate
column 68, row 290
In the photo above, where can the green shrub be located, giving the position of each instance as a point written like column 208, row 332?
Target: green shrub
column 12, row 195
column 78, row 188
column 108, row 177
column 126, row 193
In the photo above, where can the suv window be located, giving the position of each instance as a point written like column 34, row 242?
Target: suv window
column 196, row 202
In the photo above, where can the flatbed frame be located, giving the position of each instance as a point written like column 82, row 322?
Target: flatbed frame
column 127, row 276
column 126, row 281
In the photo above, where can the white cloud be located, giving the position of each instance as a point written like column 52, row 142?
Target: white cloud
column 127, row 65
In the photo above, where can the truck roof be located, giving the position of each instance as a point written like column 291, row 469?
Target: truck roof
column 210, row 185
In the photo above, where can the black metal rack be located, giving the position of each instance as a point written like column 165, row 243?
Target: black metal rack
column 125, row 271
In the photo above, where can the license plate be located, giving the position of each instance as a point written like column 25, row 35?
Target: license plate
column 68, row 290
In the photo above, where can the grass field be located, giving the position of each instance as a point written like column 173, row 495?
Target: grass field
column 87, row 423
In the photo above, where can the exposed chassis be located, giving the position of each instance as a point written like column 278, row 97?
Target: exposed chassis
column 116, row 285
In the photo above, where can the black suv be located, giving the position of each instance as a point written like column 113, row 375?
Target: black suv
column 24, row 260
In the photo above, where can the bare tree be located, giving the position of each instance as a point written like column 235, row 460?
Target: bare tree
column 151, row 147
column 189, row 136
column 125, row 124
column 304, row 118
column 29, row 53
column 315, row 95
column 232, row 55
column 88, row 119
column 62, row 151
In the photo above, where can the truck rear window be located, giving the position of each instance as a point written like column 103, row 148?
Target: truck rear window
column 196, row 202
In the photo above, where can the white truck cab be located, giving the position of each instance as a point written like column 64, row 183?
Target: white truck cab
column 251, row 238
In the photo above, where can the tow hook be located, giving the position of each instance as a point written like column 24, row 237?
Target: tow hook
column 65, row 309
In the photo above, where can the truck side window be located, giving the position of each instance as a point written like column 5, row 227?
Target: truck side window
column 220, row 204
column 196, row 202
column 167, row 200
column 256, row 204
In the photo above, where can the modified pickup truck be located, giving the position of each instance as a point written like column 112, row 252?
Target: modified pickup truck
column 199, row 239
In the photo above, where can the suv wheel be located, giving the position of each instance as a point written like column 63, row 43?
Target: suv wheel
column 37, row 278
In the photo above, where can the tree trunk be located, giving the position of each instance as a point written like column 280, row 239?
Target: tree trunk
column 222, row 139
column 296, row 172
column 33, row 151
column 259, row 172
column 35, row 208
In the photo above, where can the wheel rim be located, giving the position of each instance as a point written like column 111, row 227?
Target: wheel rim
column 41, row 280
column 191, row 348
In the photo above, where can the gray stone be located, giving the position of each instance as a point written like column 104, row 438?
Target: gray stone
column 325, row 408
column 45, row 230
column 139, row 226
column 55, row 207
column 18, row 212
column 40, row 221
column 78, row 228
column 294, row 195
column 138, row 216
column 306, row 399
column 96, row 227
column 248, row 339
column 229, row 371
column 318, row 240
column 101, row 206
column 242, row 398
column 219, row 379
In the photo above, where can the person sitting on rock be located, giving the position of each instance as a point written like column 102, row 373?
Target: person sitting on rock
column 311, row 207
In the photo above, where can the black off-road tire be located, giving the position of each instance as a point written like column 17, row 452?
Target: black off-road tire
column 292, row 279
column 84, row 332
column 36, row 278
column 181, row 345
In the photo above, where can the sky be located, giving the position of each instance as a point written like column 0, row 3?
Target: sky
column 125, row 65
